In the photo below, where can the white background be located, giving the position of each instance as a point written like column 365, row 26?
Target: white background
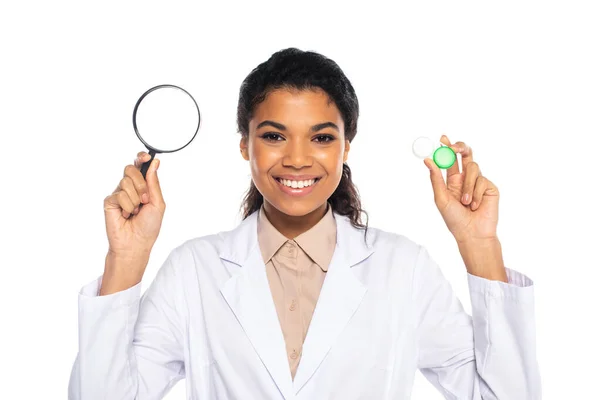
column 518, row 81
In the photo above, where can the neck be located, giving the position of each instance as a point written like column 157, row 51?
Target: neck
column 292, row 226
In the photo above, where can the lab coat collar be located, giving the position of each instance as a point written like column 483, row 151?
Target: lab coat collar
column 249, row 297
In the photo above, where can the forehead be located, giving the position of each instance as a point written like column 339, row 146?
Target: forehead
column 297, row 107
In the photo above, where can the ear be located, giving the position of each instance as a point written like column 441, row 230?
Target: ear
column 244, row 148
column 346, row 149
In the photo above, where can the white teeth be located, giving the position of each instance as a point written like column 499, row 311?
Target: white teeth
column 297, row 184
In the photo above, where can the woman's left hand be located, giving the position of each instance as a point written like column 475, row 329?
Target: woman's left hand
column 468, row 201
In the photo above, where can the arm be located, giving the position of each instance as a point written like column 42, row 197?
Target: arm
column 491, row 355
column 129, row 346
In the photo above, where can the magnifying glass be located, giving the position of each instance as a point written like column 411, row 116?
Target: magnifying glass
column 443, row 156
column 169, row 119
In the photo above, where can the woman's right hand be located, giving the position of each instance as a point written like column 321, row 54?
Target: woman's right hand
column 133, row 215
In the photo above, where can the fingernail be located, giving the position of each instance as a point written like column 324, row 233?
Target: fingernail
column 474, row 205
column 465, row 198
column 145, row 198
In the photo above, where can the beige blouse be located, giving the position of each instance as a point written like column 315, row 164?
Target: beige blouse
column 296, row 270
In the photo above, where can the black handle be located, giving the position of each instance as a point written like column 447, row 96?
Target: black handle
column 146, row 165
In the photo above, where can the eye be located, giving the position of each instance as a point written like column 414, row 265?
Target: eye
column 271, row 136
column 324, row 138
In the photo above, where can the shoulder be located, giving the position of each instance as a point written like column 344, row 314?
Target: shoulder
column 393, row 261
column 399, row 251
column 200, row 246
column 199, row 262
column 392, row 241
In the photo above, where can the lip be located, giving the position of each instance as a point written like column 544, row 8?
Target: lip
column 295, row 192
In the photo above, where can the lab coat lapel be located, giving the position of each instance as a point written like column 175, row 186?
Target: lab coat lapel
column 339, row 299
column 249, row 297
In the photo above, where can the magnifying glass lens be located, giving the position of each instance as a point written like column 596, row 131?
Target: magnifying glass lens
column 167, row 119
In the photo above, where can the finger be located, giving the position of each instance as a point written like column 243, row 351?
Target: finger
column 154, row 190
column 472, row 173
column 118, row 201
column 483, row 187
column 111, row 202
column 465, row 151
column 440, row 191
column 125, row 202
column 139, row 183
column 126, row 185
column 141, row 158
column 453, row 170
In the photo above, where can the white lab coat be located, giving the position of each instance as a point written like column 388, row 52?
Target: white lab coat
column 385, row 310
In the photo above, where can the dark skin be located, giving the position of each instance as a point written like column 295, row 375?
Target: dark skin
column 306, row 138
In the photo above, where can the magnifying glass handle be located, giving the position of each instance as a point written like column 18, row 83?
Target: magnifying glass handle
column 146, row 165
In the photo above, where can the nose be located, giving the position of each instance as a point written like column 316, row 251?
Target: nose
column 297, row 154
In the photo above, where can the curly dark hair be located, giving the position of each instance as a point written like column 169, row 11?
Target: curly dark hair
column 294, row 69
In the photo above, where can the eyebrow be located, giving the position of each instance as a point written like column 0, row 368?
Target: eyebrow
column 314, row 128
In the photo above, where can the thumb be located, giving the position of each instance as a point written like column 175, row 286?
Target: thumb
column 154, row 191
column 437, row 182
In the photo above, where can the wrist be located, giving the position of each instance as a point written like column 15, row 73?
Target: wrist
column 132, row 253
column 475, row 241
column 122, row 272
column 483, row 258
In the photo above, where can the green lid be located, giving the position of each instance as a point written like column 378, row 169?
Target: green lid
column 444, row 157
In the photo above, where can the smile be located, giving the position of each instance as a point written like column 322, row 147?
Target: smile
column 297, row 187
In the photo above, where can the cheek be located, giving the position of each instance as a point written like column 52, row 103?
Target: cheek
column 331, row 159
column 262, row 159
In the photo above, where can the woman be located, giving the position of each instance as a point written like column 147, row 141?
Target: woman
column 302, row 300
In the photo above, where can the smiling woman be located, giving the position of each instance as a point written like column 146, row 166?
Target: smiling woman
column 295, row 150
column 297, row 115
column 230, row 312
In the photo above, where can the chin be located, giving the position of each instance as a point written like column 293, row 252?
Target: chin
column 295, row 208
